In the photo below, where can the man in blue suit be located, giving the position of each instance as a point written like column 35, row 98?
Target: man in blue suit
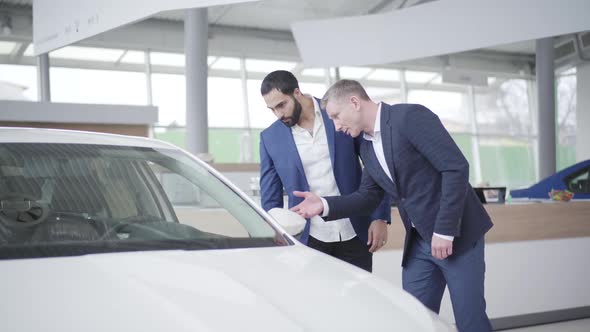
column 409, row 155
column 302, row 151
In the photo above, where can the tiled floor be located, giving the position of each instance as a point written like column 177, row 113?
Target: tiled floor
column 582, row 325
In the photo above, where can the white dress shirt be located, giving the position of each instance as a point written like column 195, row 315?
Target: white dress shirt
column 315, row 156
column 379, row 152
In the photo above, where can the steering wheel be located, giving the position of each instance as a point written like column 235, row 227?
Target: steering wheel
column 22, row 210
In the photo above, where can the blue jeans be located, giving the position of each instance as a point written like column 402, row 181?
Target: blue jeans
column 425, row 277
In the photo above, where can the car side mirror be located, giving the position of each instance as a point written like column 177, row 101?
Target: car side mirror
column 289, row 220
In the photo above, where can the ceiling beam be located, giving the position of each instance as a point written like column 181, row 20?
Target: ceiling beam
column 380, row 6
column 18, row 52
column 402, row 4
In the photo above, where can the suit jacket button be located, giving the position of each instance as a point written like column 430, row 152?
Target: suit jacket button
column 403, row 199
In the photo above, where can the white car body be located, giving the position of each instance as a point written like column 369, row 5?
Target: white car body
column 283, row 288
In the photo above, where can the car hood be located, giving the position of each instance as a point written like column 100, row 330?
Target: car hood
column 287, row 289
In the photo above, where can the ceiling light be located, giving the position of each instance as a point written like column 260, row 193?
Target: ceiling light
column 6, row 25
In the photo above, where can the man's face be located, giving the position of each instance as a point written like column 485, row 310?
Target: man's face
column 285, row 107
column 346, row 116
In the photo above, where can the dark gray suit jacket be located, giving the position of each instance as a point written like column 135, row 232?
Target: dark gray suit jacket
column 430, row 179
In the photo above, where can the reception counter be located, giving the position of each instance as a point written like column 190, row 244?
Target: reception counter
column 521, row 222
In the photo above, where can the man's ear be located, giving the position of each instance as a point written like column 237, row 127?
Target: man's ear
column 297, row 92
column 356, row 102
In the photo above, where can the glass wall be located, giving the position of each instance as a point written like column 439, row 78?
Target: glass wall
column 502, row 108
column 451, row 107
column 169, row 94
column 88, row 86
column 18, row 82
column 493, row 125
column 566, row 118
column 505, row 132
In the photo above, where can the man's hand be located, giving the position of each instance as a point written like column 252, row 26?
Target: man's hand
column 377, row 235
column 441, row 248
column 311, row 206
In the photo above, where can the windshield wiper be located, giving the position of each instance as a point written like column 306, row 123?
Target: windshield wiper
column 79, row 248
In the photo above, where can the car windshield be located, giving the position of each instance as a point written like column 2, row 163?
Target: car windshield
column 76, row 199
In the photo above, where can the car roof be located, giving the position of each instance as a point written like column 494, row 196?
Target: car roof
column 42, row 135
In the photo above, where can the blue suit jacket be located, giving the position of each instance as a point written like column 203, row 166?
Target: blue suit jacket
column 430, row 179
column 281, row 167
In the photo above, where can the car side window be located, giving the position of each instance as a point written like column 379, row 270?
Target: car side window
column 194, row 207
column 579, row 182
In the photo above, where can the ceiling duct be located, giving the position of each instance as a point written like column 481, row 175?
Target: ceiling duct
column 572, row 50
column 585, row 38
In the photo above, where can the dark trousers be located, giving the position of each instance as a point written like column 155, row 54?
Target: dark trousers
column 425, row 277
column 353, row 251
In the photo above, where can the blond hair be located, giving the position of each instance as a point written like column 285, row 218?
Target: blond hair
column 344, row 88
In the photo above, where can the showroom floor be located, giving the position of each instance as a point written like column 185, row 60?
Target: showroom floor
column 582, row 325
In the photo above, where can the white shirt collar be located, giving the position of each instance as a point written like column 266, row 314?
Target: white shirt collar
column 377, row 128
column 316, row 106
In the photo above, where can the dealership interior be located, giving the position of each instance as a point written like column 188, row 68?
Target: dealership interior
column 506, row 78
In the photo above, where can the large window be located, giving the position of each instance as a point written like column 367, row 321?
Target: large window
column 169, row 94
column 503, row 108
column 506, row 133
column 494, row 126
column 566, row 118
column 386, row 95
column 97, row 86
column 260, row 115
column 18, row 82
column 451, row 107
column 225, row 103
column 507, row 162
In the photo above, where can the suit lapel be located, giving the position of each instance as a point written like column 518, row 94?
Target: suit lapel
column 374, row 167
column 387, row 141
column 330, row 134
column 386, row 137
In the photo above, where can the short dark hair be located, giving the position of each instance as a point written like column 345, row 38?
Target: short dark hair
column 282, row 80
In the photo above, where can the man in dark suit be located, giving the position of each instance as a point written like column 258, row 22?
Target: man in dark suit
column 408, row 154
column 303, row 151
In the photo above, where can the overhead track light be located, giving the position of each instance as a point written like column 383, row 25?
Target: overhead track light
column 6, row 25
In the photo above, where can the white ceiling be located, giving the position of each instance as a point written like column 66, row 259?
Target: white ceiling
column 273, row 14
column 279, row 14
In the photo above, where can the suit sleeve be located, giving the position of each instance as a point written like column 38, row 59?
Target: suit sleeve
column 360, row 203
column 271, row 187
column 383, row 211
column 427, row 134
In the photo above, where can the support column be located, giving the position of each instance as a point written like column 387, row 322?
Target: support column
column 336, row 74
column 583, row 112
column 328, row 77
column 403, row 86
column 196, row 27
column 546, row 102
column 476, row 167
column 43, row 83
column 148, row 77
column 246, row 153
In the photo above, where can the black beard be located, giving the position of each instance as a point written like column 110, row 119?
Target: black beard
column 294, row 118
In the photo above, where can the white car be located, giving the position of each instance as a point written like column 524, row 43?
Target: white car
column 112, row 233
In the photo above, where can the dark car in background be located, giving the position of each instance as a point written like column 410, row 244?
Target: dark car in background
column 575, row 178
